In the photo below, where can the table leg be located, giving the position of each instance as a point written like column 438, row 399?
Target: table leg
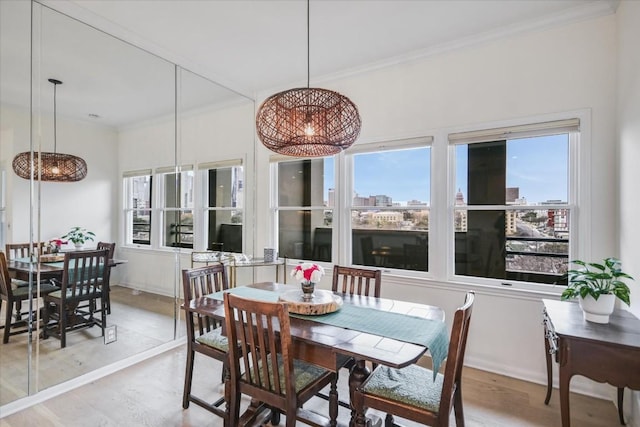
column 620, row 402
column 359, row 372
column 565, row 380
column 547, row 349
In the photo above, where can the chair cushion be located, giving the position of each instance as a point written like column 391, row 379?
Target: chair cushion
column 45, row 288
column 17, row 283
column 214, row 339
column 303, row 373
column 58, row 294
column 412, row 385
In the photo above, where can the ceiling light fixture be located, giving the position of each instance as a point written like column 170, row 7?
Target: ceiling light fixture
column 47, row 166
column 308, row 122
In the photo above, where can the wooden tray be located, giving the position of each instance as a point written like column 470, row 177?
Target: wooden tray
column 51, row 257
column 323, row 302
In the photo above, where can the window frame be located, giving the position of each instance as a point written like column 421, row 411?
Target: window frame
column 162, row 209
column 129, row 209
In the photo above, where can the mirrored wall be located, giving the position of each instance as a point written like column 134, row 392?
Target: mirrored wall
column 126, row 112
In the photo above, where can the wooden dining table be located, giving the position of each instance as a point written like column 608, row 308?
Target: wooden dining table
column 324, row 344
column 22, row 268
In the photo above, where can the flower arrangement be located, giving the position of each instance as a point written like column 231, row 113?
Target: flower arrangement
column 55, row 245
column 307, row 272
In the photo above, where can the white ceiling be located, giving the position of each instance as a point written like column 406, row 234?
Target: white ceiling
column 255, row 47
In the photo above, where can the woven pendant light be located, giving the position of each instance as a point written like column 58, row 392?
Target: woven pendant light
column 56, row 167
column 308, row 122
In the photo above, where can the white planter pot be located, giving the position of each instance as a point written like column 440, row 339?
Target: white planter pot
column 79, row 246
column 598, row 311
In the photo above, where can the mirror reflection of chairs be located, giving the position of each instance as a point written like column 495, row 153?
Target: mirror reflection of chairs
column 12, row 293
column 412, row 393
column 204, row 334
column 111, row 247
column 81, row 301
column 263, row 366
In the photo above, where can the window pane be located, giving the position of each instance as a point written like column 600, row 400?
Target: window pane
column 396, row 237
column 225, row 230
column 178, row 229
column 306, row 182
column 142, row 227
column 140, row 197
column 305, row 234
column 178, row 193
column 226, row 187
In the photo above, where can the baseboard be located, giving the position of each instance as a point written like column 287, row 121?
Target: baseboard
column 56, row 390
column 579, row 384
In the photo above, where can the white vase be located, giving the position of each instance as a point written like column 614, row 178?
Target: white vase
column 597, row 311
column 78, row 246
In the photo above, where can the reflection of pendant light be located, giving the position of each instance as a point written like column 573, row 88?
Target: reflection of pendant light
column 51, row 166
column 308, row 122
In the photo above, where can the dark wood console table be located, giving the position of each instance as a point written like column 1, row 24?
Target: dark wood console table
column 602, row 352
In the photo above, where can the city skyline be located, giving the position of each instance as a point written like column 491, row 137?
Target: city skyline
column 537, row 166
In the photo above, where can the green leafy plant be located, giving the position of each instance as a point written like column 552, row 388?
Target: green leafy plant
column 597, row 279
column 79, row 235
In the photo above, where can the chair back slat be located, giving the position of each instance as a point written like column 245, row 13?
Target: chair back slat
column 358, row 281
column 84, row 273
column 455, row 355
column 198, row 282
column 22, row 250
column 263, row 334
column 5, row 280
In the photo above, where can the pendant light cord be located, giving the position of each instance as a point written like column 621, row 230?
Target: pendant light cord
column 55, row 120
column 308, row 48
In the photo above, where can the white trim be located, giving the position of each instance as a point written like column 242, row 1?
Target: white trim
column 133, row 174
column 517, row 131
column 220, row 164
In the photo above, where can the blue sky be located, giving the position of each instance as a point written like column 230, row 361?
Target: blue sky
column 538, row 166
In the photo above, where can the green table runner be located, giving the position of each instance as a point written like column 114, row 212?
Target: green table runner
column 402, row 327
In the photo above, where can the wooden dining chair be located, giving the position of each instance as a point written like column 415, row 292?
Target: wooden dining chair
column 204, row 334
column 357, row 281
column 22, row 250
column 412, row 393
column 81, row 298
column 111, row 247
column 268, row 371
column 12, row 293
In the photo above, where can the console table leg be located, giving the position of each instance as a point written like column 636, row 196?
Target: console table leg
column 620, row 401
column 565, row 380
column 547, row 350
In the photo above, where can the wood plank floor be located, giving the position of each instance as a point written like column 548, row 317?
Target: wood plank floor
column 150, row 394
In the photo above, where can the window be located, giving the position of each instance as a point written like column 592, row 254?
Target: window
column 137, row 188
column 177, row 207
column 512, row 209
column 305, row 198
column 389, row 207
column 224, row 208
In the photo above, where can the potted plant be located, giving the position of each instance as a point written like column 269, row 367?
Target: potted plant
column 597, row 286
column 79, row 236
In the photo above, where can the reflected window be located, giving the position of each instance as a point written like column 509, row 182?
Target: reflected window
column 304, row 210
column 512, row 208
column 177, row 208
column 138, row 190
column 390, row 207
column 225, row 205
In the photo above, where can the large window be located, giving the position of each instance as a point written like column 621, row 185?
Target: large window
column 224, row 208
column 305, row 198
column 389, row 207
column 177, row 208
column 513, row 209
column 137, row 190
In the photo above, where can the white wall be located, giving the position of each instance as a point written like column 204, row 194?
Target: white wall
column 557, row 70
column 629, row 154
column 90, row 203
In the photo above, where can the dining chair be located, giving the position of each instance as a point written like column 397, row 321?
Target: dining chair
column 204, row 334
column 412, row 392
column 13, row 292
column 21, row 250
column 111, row 247
column 358, row 281
column 271, row 375
column 81, row 297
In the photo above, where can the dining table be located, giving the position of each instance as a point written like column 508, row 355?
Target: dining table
column 23, row 268
column 379, row 330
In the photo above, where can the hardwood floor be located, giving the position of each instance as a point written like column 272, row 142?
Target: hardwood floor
column 143, row 321
column 150, row 394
